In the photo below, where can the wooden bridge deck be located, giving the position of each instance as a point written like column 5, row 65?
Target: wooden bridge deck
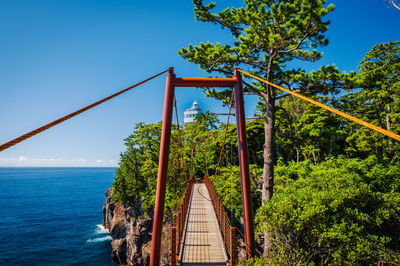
column 202, row 240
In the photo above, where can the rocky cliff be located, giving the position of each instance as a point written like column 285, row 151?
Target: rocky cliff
column 130, row 230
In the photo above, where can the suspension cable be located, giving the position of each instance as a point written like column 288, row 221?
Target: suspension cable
column 174, row 177
column 231, row 171
column 347, row 116
column 191, row 164
column 62, row 119
column 205, row 156
column 226, row 130
column 179, row 139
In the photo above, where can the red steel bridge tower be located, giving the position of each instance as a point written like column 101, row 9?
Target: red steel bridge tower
column 172, row 82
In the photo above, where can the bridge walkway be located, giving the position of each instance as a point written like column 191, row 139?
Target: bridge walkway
column 202, row 240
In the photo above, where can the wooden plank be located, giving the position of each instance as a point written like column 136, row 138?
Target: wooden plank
column 203, row 244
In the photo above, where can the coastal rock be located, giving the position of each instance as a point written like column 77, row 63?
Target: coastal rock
column 131, row 231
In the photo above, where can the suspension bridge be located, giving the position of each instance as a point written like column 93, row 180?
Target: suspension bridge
column 202, row 233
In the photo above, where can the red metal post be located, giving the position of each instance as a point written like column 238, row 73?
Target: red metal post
column 181, row 217
column 232, row 243
column 173, row 246
column 191, row 165
column 221, row 214
column 179, row 229
column 162, row 170
column 244, row 166
column 225, row 227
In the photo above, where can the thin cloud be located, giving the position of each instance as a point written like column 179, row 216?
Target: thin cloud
column 26, row 161
column 106, row 161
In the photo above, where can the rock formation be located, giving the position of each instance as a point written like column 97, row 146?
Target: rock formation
column 130, row 229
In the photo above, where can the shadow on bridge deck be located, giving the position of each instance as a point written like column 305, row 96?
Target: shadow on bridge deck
column 202, row 243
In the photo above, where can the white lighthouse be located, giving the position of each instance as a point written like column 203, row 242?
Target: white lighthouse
column 191, row 113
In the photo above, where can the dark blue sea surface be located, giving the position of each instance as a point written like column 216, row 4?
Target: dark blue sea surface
column 52, row 216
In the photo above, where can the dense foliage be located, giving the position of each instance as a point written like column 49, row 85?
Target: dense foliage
column 342, row 211
column 136, row 179
column 337, row 184
column 266, row 37
column 378, row 102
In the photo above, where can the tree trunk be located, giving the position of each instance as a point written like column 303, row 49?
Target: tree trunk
column 388, row 125
column 269, row 149
column 388, row 111
column 268, row 169
column 314, row 157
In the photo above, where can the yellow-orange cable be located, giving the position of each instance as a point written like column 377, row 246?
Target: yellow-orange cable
column 347, row 116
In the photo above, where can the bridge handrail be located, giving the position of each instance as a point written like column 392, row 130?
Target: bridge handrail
column 179, row 224
column 227, row 230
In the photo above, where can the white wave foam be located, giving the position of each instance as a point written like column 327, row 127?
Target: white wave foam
column 101, row 230
column 100, row 239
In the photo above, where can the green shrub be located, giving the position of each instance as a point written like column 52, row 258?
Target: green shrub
column 136, row 177
column 342, row 211
column 227, row 184
column 258, row 261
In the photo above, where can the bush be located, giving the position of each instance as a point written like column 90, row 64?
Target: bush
column 342, row 211
column 258, row 261
column 227, row 185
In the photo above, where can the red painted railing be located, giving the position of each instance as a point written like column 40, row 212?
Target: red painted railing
column 227, row 230
column 178, row 229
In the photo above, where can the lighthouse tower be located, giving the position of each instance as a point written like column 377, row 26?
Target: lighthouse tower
column 191, row 113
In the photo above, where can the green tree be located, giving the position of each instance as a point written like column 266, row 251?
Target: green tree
column 199, row 137
column 138, row 166
column 304, row 130
column 307, row 131
column 378, row 102
column 136, row 177
column 207, row 119
column 267, row 35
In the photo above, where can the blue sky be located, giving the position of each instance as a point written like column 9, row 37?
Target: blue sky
column 57, row 56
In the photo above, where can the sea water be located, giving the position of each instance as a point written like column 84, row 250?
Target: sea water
column 52, row 216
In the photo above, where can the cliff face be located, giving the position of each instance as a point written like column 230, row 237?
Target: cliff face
column 130, row 230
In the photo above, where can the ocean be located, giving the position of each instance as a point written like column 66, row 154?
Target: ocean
column 53, row 216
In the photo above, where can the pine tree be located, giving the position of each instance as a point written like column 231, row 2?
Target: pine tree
column 267, row 35
column 378, row 102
